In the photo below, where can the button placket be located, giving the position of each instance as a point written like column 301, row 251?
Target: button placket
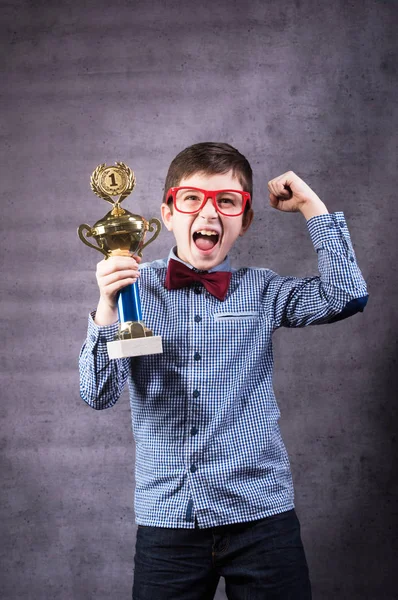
column 197, row 299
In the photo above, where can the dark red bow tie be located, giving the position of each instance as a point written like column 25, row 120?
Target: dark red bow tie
column 179, row 276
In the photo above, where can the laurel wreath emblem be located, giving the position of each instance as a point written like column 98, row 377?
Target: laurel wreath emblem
column 99, row 191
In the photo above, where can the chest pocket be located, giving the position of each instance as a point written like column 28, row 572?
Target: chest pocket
column 237, row 317
column 237, row 336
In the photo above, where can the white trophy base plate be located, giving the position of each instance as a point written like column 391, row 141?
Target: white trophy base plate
column 135, row 347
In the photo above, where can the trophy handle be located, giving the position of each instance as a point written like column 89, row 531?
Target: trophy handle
column 85, row 241
column 151, row 223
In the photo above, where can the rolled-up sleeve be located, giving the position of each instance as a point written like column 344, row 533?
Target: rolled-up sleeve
column 337, row 293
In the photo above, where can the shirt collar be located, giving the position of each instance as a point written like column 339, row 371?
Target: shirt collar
column 224, row 266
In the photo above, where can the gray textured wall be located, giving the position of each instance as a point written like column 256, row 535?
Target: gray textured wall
column 301, row 85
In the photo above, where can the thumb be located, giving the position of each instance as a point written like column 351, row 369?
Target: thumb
column 273, row 200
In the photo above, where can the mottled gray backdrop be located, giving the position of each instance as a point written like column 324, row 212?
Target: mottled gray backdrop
column 301, row 85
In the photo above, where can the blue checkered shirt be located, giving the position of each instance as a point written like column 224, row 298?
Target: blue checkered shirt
column 204, row 413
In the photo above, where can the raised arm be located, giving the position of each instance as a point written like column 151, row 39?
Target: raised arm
column 340, row 289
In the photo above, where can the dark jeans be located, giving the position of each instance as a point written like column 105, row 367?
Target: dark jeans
column 259, row 560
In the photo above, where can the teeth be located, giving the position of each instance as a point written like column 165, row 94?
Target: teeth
column 207, row 232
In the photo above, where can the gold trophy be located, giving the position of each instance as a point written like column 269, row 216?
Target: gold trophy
column 123, row 233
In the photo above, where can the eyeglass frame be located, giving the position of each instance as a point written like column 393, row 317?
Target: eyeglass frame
column 208, row 194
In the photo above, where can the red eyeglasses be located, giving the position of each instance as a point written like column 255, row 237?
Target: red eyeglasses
column 190, row 200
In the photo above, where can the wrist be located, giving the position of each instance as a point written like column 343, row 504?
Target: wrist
column 106, row 314
column 313, row 208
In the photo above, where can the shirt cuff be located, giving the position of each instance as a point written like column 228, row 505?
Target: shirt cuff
column 328, row 228
column 99, row 335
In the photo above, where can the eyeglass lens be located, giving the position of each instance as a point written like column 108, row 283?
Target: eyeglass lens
column 190, row 201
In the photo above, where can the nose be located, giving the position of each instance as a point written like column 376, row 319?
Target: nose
column 209, row 210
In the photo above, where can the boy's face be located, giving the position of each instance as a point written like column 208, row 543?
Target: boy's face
column 201, row 251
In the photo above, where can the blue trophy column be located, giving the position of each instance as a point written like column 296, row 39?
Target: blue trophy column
column 129, row 304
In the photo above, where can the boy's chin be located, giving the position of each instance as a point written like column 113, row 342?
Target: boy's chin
column 206, row 265
column 203, row 263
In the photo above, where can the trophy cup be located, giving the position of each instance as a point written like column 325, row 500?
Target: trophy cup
column 121, row 233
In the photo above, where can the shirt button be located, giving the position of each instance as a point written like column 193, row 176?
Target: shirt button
column 197, row 356
column 341, row 223
column 331, row 225
column 197, row 290
column 196, row 393
column 198, row 319
column 352, row 259
column 193, row 468
column 194, row 431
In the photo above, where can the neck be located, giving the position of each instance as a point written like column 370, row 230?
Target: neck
column 223, row 266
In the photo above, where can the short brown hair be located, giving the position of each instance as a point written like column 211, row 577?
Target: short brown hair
column 210, row 158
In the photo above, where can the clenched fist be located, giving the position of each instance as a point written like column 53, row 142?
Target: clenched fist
column 289, row 193
column 113, row 274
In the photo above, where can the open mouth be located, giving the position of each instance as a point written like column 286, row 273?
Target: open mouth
column 205, row 239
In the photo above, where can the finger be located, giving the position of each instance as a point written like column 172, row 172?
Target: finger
column 114, row 288
column 282, row 191
column 282, row 186
column 273, row 200
column 286, row 192
column 123, row 261
column 116, row 263
column 276, row 188
column 287, row 177
column 272, row 187
column 126, row 253
column 106, row 280
column 120, row 259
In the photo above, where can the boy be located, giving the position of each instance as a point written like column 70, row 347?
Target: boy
column 214, row 493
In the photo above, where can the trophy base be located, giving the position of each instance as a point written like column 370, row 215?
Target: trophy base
column 140, row 346
column 133, row 329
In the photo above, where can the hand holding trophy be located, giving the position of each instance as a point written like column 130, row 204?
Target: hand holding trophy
column 123, row 233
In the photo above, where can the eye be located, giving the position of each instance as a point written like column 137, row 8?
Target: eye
column 191, row 198
column 227, row 200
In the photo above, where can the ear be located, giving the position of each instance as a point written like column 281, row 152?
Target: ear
column 167, row 216
column 246, row 221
